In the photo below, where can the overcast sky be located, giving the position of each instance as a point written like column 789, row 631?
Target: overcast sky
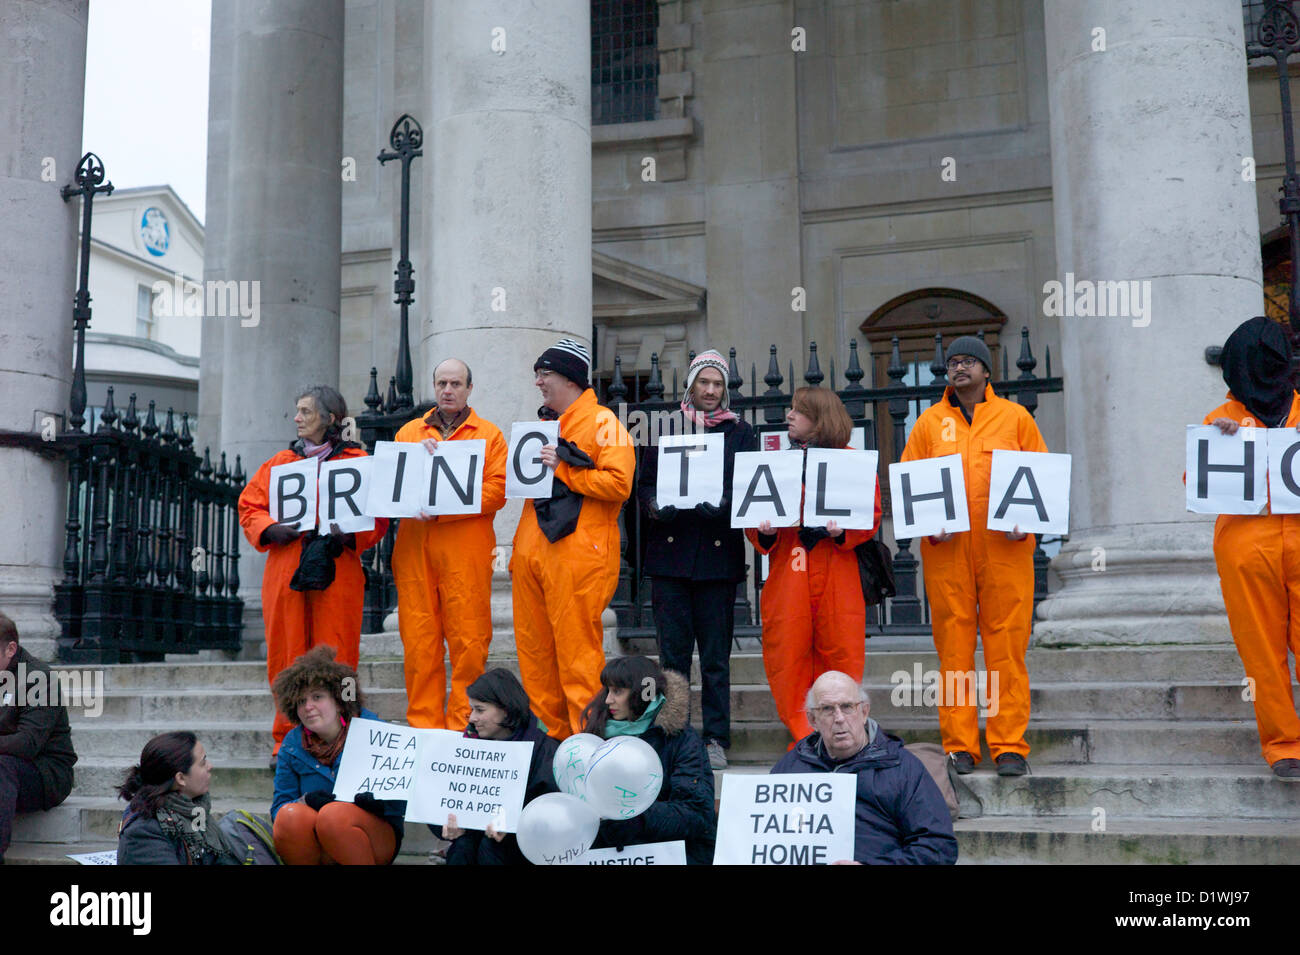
column 147, row 94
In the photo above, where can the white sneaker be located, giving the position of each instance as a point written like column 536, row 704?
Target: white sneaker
column 717, row 755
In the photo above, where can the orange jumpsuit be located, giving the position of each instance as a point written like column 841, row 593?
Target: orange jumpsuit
column 980, row 577
column 814, row 617
column 443, row 570
column 560, row 589
column 1258, row 556
column 296, row 620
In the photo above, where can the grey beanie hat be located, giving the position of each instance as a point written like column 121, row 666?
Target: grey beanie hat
column 970, row 345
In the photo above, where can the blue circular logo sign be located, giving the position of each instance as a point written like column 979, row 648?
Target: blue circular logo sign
column 154, row 231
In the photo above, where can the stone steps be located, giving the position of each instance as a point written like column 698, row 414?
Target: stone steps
column 1158, row 737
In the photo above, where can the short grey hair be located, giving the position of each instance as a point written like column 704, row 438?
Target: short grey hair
column 863, row 695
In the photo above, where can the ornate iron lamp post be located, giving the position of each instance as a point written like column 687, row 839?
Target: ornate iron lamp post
column 406, row 140
column 89, row 180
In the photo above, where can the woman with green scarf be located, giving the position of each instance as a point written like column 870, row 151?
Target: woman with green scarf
column 637, row 698
column 168, row 818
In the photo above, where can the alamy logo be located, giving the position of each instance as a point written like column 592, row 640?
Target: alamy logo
column 74, row 908
column 83, row 689
column 213, row 299
column 945, row 688
column 1085, row 298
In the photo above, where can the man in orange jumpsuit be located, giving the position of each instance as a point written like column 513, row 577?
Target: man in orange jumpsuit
column 1258, row 556
column 297, row 620
column 443, row 565
column 566, row 551
column 979, row 577
column 814, row 615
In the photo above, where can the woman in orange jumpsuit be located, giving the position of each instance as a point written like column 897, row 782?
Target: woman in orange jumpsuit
column 297, row 620
column 814, row 617
column 1258, row 555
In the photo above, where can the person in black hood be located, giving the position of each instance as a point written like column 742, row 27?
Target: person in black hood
column 499, row 709
column 900, row 815
column 1258, row 555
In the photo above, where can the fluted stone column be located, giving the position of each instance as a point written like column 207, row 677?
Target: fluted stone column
column 1147, row 142
column 212, row 342
column 510, row 209
column 42, row 81
column 283, row 227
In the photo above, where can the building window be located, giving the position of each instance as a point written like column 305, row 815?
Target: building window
column 144, row 318
column 624, row 61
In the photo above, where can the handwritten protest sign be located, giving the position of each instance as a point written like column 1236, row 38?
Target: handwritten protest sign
column 787, row 819
column 480, row 780
column 379, row 758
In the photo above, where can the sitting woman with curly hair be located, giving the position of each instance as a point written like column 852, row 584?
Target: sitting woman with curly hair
column 321, row 698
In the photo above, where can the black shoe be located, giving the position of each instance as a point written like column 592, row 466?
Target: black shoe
column 963, row 762
column 1288, row 769
column 1012, row 764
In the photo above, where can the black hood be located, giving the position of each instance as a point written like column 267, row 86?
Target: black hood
column 1257, row 367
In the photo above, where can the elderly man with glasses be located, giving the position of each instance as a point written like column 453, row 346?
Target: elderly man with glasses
column 900, row 817
column 979, row 579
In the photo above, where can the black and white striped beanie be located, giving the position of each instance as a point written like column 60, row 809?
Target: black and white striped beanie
column 568, row 358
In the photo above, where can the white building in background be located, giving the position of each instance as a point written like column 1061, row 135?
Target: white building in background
column 140, row 339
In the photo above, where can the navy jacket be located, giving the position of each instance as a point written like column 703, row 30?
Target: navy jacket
column 298, row 772
column 689, row 544
column 684, row 807
column 901, row 818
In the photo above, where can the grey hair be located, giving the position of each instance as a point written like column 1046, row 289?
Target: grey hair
column 328, row 401
column 863, row 696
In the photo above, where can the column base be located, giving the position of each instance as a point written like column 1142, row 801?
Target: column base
column 1135, row 585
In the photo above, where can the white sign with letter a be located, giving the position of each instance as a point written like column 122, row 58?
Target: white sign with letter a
column 690, row 470
column 344, row 488
column 841, row 487
column 1029, row 490
column 293, row 494
column 526, row 475
column 786, row 819
column 765, row 486
column 1226, row 473
column 929, row 497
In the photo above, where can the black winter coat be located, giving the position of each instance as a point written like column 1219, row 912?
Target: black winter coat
column 901, row 818
column 689, row 544
column 684, row 809
column 39, row 733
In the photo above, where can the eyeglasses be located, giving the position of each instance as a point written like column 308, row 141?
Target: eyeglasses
column 956, row 363
column 828, row 711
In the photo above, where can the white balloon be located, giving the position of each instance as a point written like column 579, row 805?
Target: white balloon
column 555, row 829
column 623, row 778
column 571, row 762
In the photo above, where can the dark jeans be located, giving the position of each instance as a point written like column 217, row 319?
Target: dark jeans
column 699, row 612
column 21, row 790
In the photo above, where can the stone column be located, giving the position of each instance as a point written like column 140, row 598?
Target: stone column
column 212, row 340
column 509, row 213
column 1147, row 141
column 751, row 168
column 42, row 81
column 283, row 228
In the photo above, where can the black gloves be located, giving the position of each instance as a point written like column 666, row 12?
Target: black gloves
column 665, row 513
column 706, row 509
column 572, row 455
column 370, row 804
column 279, row 534
column 623, row 832
column 318, row 798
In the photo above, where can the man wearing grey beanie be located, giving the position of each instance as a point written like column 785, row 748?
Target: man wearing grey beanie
column 979, row 576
